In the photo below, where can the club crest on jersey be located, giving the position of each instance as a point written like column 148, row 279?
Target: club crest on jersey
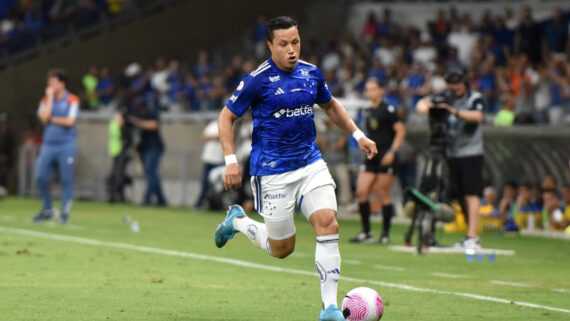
column 274, row 78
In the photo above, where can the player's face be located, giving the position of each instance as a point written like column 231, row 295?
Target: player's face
column 459, row 88
column 57, row 85
column 373, row 91
column 285, row 48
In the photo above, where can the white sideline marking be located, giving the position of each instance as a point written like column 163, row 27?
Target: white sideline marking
column 448, row 275
column 389, row 268
column 146, row 249
column 518, row 285
column 354, row 262
column 560, row 290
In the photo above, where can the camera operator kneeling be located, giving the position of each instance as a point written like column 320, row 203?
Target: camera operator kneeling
column 465, row 148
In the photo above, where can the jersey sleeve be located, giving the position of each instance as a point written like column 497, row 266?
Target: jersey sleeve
column 244, row 96
column 392, row 115
column 323, row 93
column 73, row 106
column 477, row 104
column 42, row 105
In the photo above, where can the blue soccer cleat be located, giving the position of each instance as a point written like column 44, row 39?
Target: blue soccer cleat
column 225, row 230
column 332, row 313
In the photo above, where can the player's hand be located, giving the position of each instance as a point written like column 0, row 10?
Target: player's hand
column 232, row 178
column 49, row 92
column 368, row 146
column 388, row 158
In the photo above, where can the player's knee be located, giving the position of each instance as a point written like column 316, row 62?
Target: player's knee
column 282, row 250
column 361, row 195
column 327, row 224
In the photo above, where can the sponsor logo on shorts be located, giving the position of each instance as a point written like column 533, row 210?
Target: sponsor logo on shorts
column 276, row 196
column 271, row 164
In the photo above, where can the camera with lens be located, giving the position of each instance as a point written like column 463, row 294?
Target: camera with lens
column 438, row 114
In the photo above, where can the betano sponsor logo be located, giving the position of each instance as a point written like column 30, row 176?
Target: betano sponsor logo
column 299, row 111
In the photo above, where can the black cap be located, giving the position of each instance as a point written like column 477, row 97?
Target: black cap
column 455, row 76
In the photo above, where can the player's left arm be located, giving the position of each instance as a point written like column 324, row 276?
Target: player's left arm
column 336, row 112
column 70, row 119
column 400, row 130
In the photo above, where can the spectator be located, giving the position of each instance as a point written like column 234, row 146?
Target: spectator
column 464, row 39
column 259, row 37
column 370, row 28
column 506, row 116
column 89, row 82
column 489, row 206
column 542, row 95
column 106, row 89
column 508, row 201
column 203, row 66
column 212, row 157
column 555, row 34
column 527, row 38
column 159, row 81
column 150, row 149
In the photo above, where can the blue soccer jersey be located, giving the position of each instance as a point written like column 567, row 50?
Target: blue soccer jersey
column 282, row 110
column 67, row 106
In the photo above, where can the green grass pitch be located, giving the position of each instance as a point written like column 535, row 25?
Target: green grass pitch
column 96, row 268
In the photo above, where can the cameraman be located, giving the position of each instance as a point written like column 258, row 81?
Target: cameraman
column 465, row 147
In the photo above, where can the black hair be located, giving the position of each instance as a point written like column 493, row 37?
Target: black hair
column 455, row 75
column 281, row 22
column 60, row 74
column 376, row 81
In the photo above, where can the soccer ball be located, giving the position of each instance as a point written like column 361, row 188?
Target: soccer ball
column 362, row 304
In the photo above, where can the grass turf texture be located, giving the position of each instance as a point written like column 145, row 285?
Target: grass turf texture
column 43, row 279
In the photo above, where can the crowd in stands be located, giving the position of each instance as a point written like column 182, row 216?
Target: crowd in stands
column 23, row 23
column 520, row 65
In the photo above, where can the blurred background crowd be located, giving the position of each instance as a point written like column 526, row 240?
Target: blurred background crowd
column 519, row 63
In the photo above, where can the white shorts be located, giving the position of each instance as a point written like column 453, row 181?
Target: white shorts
column 276, row 196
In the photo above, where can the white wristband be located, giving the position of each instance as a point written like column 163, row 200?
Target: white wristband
column 358, row 134
column 231, row 159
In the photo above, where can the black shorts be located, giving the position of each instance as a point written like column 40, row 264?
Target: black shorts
column 466, row 175
column 374, row 165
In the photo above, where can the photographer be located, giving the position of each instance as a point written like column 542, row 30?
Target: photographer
column 465, row 146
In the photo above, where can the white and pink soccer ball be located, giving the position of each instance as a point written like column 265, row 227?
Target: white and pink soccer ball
column 364, row 304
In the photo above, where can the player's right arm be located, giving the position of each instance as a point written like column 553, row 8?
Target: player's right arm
column 244, row 96
column 44, row 111
column 232, row 178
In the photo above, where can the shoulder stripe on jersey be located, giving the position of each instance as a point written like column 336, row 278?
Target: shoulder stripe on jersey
column 72, row 98
column 253, row 74
column 263, row 65
column 474, row 96
column 306, row 63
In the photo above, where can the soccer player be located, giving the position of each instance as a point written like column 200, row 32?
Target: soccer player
column 58, row 112
column 286, row 166
column 385, row 128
